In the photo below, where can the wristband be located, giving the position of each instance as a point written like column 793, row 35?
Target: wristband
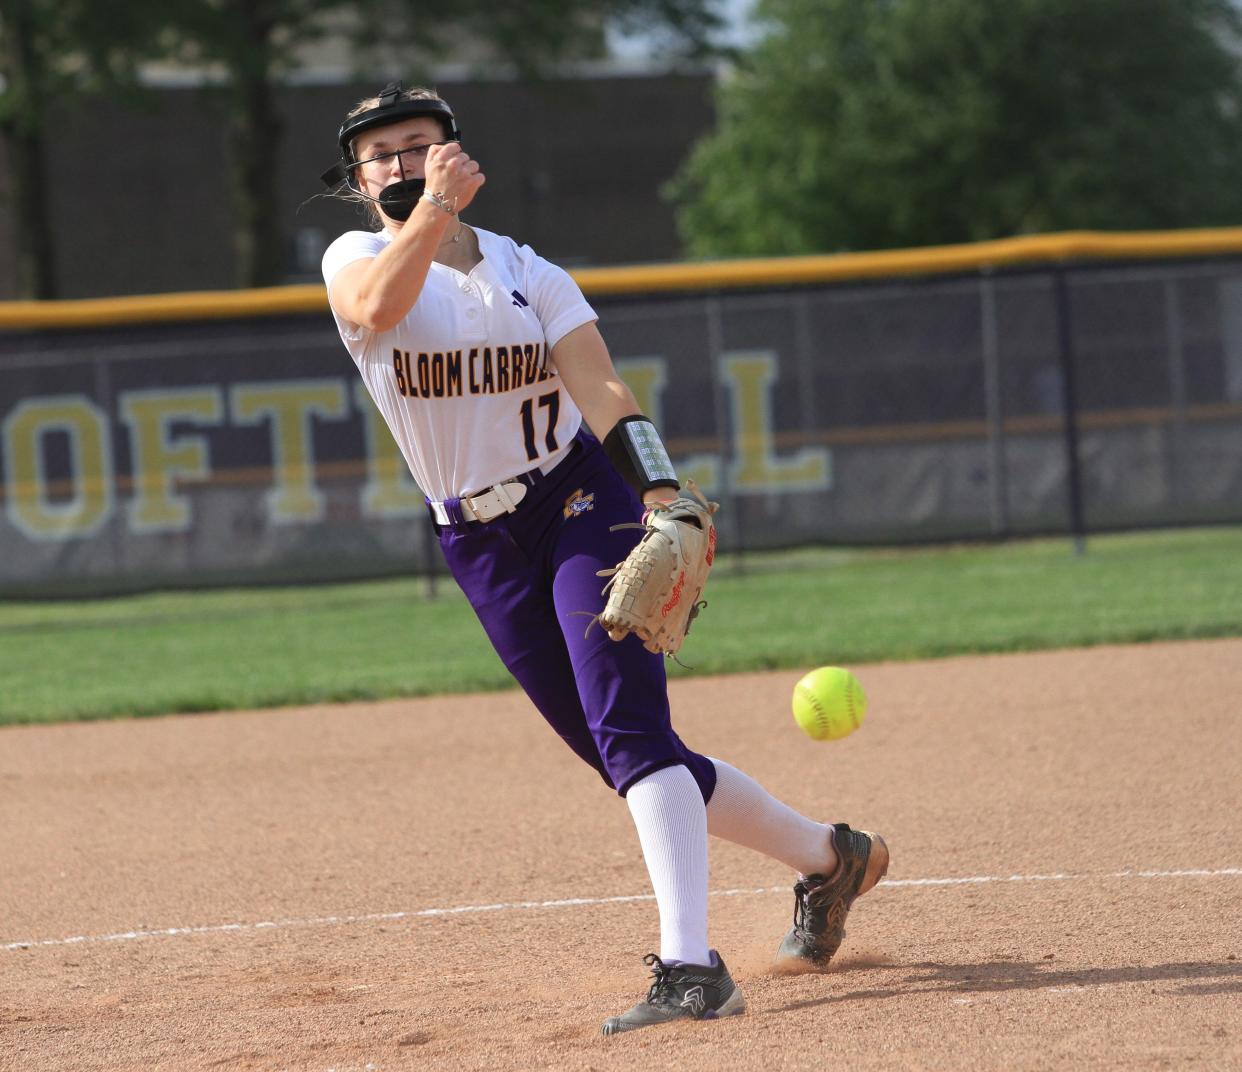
column 637, row 453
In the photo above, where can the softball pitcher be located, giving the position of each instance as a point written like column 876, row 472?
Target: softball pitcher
column 488, row 367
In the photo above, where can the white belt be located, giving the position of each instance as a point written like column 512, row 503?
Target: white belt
column 502, row 498
column 487, row 505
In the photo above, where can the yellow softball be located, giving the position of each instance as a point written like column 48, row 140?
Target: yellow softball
column 829, row 703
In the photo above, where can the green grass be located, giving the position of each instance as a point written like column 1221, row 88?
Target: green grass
column 199, row 651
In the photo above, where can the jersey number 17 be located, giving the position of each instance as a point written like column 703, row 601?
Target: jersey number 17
column 552, row 403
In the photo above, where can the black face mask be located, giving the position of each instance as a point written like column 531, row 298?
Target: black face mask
column 398, row 199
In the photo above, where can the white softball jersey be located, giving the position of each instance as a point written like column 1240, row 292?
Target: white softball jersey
column 466, row 381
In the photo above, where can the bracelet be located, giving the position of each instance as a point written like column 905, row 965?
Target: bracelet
column 440, row 201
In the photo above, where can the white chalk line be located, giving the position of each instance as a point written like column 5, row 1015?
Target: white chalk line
column 575, row 902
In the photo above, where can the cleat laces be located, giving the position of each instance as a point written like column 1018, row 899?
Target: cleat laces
column 803, row 917
column 661, row 990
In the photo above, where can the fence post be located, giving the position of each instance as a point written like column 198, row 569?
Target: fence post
column 1069, row 409
column 733, row 535
column 430, row 549
column 1176, row 439
column 998, row 486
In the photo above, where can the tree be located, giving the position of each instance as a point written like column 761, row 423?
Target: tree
column 533, row 35
column 253, row 44
column 867, row 124
column 53, row 52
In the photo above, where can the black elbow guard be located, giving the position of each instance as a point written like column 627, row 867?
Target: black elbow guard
column 637, row 453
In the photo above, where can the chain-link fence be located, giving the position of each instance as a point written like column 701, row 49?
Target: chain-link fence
column 1071, row 397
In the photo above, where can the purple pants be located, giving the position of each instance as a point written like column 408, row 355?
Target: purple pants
column 527, row 573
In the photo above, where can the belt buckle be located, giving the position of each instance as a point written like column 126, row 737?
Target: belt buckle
column 473, row 513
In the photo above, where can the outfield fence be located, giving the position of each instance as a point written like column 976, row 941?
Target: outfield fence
column 1058, row 383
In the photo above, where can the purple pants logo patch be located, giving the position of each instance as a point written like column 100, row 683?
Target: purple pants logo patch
column 577, row 503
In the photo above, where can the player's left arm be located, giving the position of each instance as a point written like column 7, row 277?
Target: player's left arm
column 654, row 592
column 592, row 380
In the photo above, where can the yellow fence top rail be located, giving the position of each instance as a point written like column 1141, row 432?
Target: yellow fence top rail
column 1070, row 246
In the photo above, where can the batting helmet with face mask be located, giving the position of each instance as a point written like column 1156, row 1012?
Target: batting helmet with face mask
column 396, row 199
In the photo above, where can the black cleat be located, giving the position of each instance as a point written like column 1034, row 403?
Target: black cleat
column 681, row 992
column 822, row 903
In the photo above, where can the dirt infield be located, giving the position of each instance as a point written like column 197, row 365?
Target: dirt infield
column 440, row 885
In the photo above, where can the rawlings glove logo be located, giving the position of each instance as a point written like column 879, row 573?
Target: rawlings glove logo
column 654, row 593
column 676, row 596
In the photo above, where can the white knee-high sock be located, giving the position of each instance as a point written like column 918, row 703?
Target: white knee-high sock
column 741, row 810
column 672, row 828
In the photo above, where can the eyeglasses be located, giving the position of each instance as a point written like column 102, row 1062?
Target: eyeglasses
column 418, row 151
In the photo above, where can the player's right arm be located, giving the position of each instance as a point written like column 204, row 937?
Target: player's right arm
column 377, row 292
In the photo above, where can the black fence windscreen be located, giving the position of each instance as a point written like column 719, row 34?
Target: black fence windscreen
column 247, row 450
